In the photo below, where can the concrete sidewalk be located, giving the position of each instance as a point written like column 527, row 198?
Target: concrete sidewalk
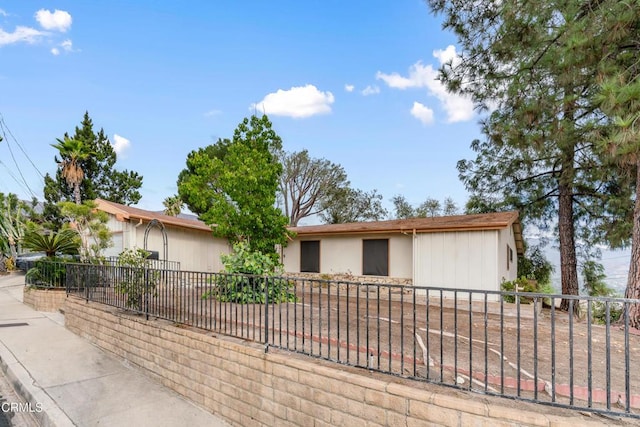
column 76, row 383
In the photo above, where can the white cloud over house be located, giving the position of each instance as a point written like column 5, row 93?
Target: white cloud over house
column 458, row 108
column 297, row 102
column 58, row 20
column 120, row 144
column 422, row 113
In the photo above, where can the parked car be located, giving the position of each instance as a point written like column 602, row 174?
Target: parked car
column 24, row 261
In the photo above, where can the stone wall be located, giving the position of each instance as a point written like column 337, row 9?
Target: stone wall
column 247, row 386
column 49, row 300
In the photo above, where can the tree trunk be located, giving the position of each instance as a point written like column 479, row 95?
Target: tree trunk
column 76, row 193
column 633, row 280
column 566, row 231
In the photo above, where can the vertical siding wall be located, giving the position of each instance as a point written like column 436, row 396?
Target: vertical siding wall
column 467, row 259
column 509, row 272
column 343, row 254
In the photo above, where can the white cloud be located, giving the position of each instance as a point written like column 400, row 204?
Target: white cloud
column 120, row 144
column 371, row 90
column 21, row 35
column 422, row 113
column 58, row 20
column 458, row 108
column 297, row 102
column 349, row 88
column 67, row 45
column 3, row 13
column 212, row 113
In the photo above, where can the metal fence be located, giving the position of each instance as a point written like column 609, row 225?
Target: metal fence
column 474, row 340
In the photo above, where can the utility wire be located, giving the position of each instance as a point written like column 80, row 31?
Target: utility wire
column 5, row 129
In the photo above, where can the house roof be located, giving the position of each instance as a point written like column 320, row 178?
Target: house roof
column 123, row 212
column 477, row 222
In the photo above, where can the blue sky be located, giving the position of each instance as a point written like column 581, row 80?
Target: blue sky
column 352, row 82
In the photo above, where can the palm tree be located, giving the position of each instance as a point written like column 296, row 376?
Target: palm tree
column 63, row 242
column 172, row 205
column 72, row 153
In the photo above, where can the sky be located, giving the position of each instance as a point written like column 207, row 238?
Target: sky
column 353, row 82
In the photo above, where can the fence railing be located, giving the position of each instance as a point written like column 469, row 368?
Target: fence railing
column 528, row 349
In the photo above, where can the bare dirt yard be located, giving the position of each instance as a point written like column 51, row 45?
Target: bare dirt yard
column 491, row 347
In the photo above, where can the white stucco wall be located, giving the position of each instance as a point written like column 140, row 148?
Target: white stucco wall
column 467, row 260
column 196, row 250
column 343, row 254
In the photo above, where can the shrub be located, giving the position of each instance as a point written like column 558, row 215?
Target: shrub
column 599, row 312
column 521, row 284
column 135, row 280
column 250, row 276
column 50, row 272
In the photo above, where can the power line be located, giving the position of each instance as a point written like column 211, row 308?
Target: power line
column 5, row 129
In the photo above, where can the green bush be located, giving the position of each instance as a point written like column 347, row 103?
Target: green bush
column 250, row 276
column 599, row 312
column 135, row 280
column 50, row 272
column 521, row 284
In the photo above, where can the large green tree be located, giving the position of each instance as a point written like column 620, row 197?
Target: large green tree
column 611, row 29
column 232, row 186
column 353, row 205
column 539, row 153
column 101, row 177
column 308, row 186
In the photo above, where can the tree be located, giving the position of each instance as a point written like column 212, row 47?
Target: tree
column 429, row 208
column 90, row 225
column 172, row 205
column 52, row 243
column 72, row 152
column 13, row 223
column 101, row 178
column 232, row 186
column 308, row 186
column 403, row 208
column 350, row 205
column 610, row 30
column 539, row 155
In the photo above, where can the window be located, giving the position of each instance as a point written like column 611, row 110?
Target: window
column 310, row 256
column 375, row 257
column 509, row 256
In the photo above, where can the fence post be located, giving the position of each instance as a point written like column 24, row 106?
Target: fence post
column 266, row 313
column 146, row 292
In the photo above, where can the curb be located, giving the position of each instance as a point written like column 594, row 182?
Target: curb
column 24, row 385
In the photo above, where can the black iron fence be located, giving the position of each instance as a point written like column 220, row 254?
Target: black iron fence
column 527, row 349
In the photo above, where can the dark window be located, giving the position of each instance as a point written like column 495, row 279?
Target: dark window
column 375, row 257
column 310, row 256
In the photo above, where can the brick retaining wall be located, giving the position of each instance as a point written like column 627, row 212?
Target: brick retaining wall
column 248, row 387
column 49, row 300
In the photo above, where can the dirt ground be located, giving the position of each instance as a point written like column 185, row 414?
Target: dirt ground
column 492, row 347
